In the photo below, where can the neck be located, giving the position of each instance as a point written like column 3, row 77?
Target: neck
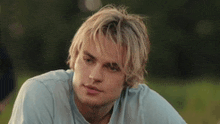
column 95, row 114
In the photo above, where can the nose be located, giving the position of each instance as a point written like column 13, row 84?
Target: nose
column 96, row 73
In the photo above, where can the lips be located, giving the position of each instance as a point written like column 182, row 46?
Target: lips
column 92, row 89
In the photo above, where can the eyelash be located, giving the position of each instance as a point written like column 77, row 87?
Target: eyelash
column 88, row 60
column 116, row 69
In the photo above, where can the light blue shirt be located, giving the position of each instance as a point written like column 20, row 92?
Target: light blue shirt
column 48, row 99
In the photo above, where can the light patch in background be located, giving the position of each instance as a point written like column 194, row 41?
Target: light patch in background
column 16, row 30
column 89, row 5
column 93, row 5
column 205, row 27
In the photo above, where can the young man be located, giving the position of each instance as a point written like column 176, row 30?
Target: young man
column 107, row 60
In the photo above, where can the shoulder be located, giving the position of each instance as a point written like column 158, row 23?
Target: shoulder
column 56, row 83
column 34, row 103
column 53, row 79
column 53, row 85
column 151, row 106
column 46, row 84
column 43, row 97
column 60, row 75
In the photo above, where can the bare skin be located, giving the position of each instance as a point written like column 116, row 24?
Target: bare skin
column 98, row 81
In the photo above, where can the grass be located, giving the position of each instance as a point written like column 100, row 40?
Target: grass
column 197, row 101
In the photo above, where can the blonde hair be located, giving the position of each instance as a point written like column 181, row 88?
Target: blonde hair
column 121, row 28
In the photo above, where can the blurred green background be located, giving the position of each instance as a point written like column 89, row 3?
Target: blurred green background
column 183, row 65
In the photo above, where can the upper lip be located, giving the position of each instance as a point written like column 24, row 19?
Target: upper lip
column 92, row 87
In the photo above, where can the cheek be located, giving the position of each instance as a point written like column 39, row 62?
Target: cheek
column 79, row 65
column 80, row 70
column 116, row 83
column 116, row 90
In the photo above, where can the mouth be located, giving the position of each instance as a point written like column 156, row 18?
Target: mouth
column 92, row 89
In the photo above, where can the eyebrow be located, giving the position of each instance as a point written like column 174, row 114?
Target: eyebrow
column 108, row 63
column 88, row 54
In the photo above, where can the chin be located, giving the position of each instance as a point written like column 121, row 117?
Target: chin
column 95, row 103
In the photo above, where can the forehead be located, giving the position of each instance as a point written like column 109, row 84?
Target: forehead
column 105, row 49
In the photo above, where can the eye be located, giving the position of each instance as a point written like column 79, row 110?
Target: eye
column 113, row 67
column 88, row 60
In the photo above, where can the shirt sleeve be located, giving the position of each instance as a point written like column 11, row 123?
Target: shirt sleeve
column 33, row 105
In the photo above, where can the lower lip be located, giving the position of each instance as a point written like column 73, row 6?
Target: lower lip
column 92, row 91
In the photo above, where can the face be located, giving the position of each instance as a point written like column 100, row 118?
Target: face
column 98, row 79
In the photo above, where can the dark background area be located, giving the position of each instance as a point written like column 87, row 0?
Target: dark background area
column 184, row 34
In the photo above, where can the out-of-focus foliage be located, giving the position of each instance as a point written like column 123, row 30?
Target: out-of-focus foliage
column 197, row 101
column 184, row 34
column 38, row 33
